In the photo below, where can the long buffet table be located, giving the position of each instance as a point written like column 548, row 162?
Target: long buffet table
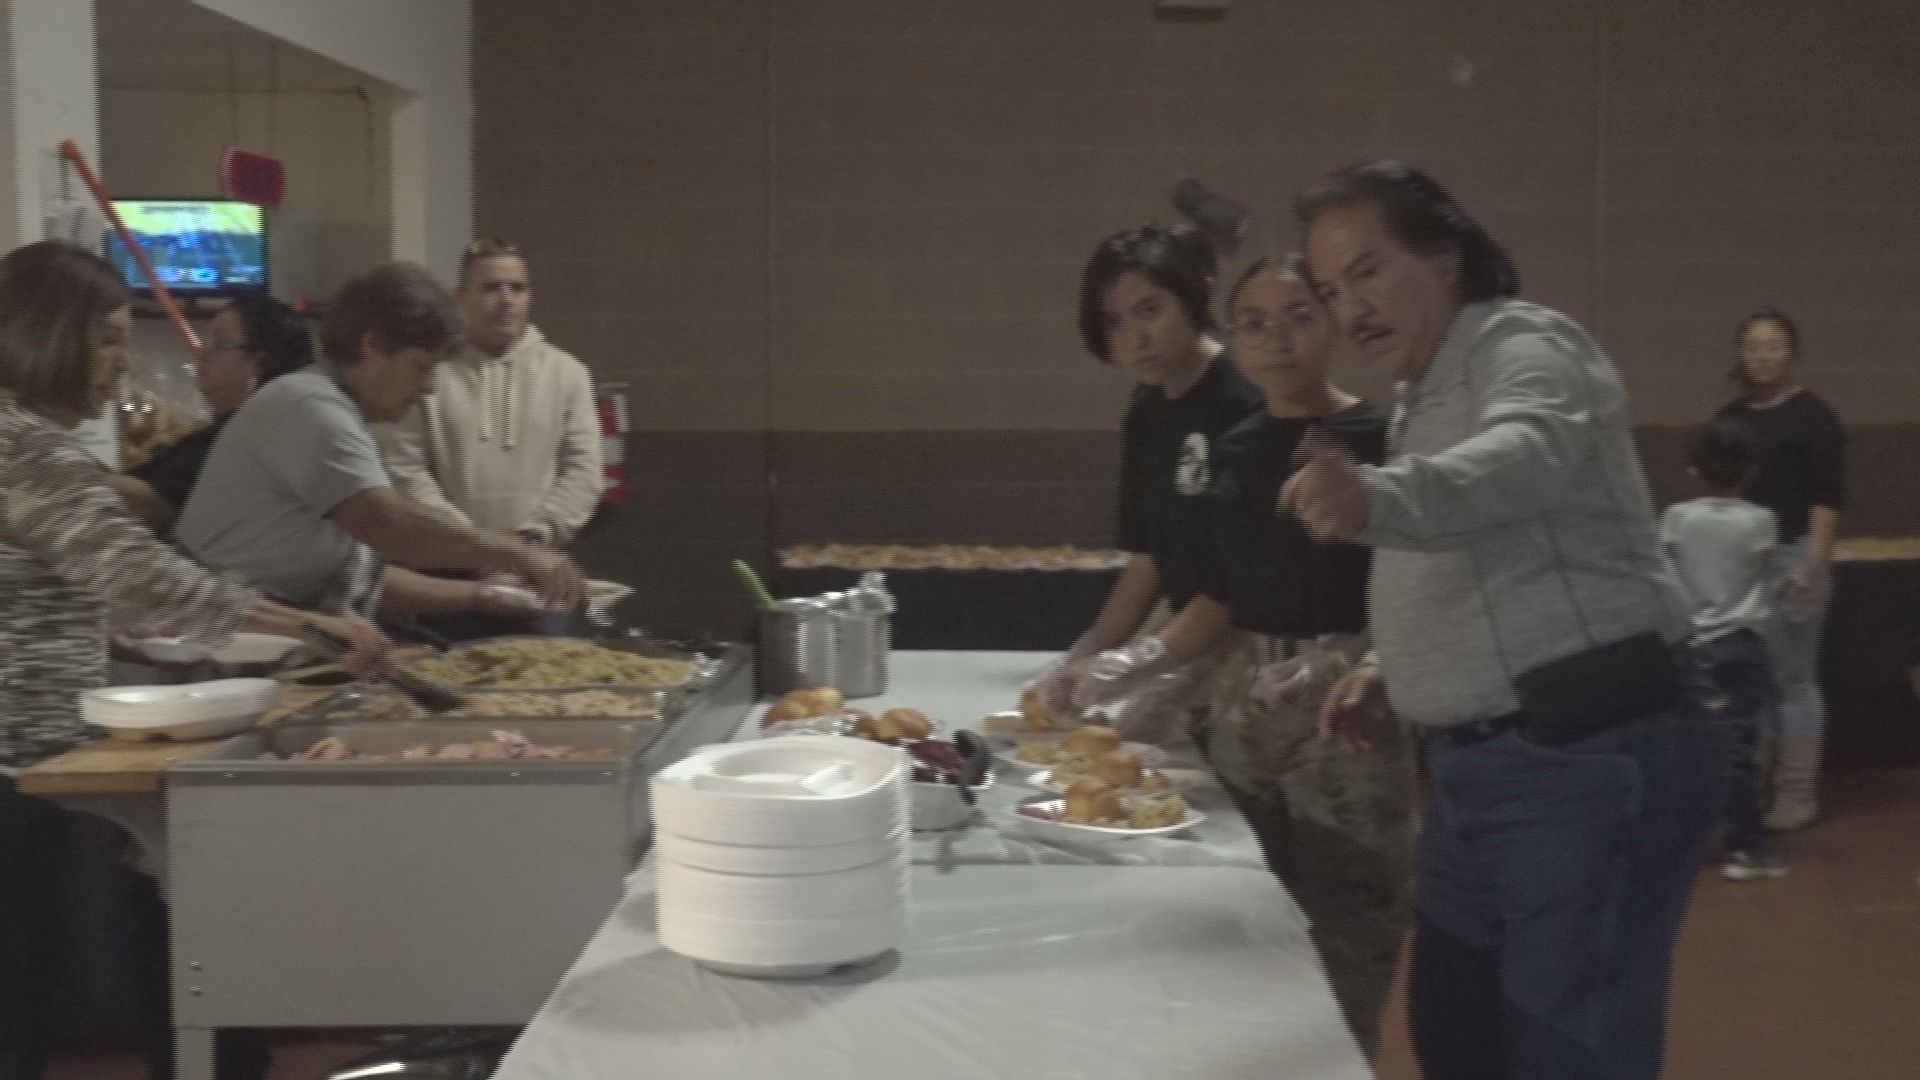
column 1154, row 959
column 1150, row 958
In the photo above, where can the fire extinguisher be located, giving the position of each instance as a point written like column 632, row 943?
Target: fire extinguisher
column 611, row 397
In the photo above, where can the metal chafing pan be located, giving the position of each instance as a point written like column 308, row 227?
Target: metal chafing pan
column 408, row 893
column 266, row 755
column 705, row 667
column 377, row 704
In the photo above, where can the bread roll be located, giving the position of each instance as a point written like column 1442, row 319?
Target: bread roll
column 1039, row 717
column 1093, row 740
column 784, row 709
column 1091, row 800
column 1119, row 768
column 864, row 724
column 886, row 727
column 911, row 723
column 825, row 700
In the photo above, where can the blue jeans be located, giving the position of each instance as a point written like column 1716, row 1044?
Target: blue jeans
column 1735, row 670
column 1551, row 886
column 1793, row 645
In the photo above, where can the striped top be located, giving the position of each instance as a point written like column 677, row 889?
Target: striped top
column 69, row 550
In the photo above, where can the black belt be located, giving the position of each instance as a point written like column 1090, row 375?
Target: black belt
column 1478, row 731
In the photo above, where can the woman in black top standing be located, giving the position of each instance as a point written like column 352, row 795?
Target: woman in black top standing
column 1336, row 826
column 1145, row 305
column 1801, row 477
column 251, row 342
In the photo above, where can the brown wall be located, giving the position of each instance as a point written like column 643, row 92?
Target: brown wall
column 834, row 244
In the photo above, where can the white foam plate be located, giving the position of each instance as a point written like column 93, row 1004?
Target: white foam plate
column 605, row 593
column 1071, row 832
column 776, row 861
column 780, row 971
column 781, row 944
column 876, row 888
column 193, row 711
column 242, row 649
column 1178, row 780
column 872, row 803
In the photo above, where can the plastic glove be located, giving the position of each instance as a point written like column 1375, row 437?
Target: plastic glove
column 1303, row 678
column 1157, row 711
column 1113, row 673
column 1054, row 688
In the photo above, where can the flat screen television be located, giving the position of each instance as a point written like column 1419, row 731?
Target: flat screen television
column 198, row 247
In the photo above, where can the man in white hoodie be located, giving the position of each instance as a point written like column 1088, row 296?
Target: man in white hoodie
column 510, row 438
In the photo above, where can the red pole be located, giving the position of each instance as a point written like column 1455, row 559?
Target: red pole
column 71, row 152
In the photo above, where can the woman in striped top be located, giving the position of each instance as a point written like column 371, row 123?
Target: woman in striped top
column 68, row 550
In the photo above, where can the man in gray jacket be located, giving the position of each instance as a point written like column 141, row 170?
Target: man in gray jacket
column 1521, row 614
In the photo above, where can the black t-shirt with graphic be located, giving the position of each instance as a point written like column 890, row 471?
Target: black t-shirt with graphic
column 1260, row 562
column 1166, row 458
column 1802, row 459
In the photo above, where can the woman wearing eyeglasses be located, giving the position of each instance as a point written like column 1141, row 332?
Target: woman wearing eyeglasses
column 251, row 342
column 1336, row 826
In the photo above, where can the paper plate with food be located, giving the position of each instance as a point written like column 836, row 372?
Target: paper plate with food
column 1033, row 717
column 1074, row 750
column 1122, row 769
column 1093, row 811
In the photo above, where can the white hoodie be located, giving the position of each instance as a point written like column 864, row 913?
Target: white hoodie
column 509, row 442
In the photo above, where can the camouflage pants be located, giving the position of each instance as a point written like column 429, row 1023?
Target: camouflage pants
column 1336, row 826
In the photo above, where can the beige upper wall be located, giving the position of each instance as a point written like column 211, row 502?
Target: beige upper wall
column 864, row 214
column 333, row 222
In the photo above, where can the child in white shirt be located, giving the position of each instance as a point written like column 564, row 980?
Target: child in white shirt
column 1720, row 547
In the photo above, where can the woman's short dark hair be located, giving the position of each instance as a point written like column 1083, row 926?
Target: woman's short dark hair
column 1724, row 454
column 275, row 333
column 399, row 304
column 1286, row 264
column 1423, row 217
column 53, row 296
column 1178, row 258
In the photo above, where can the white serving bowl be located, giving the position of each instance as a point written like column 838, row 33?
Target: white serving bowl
column 939, row 806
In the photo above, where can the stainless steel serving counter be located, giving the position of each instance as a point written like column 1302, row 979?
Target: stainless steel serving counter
column 406, row 893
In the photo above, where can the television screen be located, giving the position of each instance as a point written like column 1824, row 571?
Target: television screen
column 198, row 247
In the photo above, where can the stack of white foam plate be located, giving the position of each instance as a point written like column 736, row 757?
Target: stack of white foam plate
column 783, row 858
column 205, row 710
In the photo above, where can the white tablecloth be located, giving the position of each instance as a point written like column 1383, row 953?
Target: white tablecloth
column 1056, row 972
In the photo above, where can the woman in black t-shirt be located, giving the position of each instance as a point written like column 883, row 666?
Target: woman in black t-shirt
column 1801, row 476
column 1336, row 826
column 251, row 342
column 1145, row 306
